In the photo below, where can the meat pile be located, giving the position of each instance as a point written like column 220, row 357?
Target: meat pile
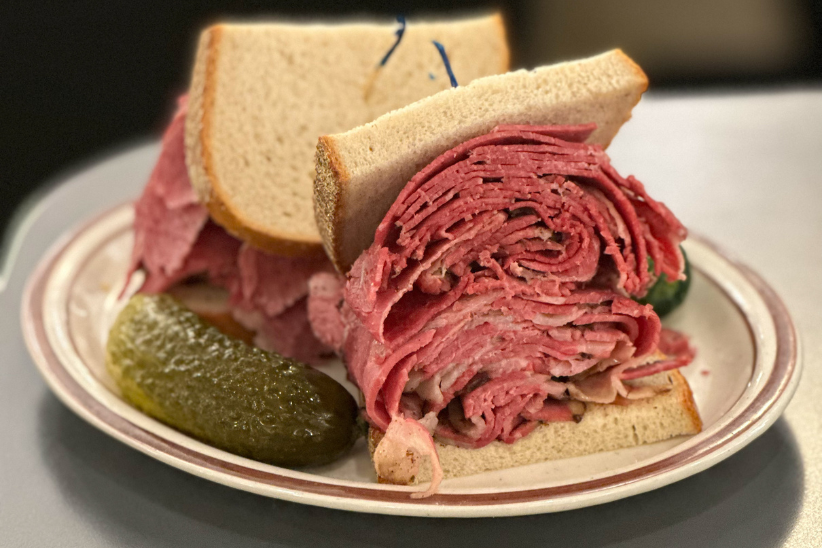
column 498, row 291
column 174, row 240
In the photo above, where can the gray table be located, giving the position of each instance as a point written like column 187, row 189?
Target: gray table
column 744, row 169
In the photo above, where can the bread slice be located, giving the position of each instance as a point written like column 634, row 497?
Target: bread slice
column 602, row 428
column 361, row 172
column 261, row 95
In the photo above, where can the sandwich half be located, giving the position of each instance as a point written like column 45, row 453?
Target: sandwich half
column 229, row 203
column 490, row 313
column 261, row 95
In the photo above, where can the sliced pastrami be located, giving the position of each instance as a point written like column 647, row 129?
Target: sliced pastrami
column 174, row 240
column 497, row 292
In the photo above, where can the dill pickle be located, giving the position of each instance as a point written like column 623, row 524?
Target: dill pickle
column 177, row 368
column 666, row 296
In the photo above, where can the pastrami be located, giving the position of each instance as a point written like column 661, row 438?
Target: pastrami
column 174, row 240
column 499, row 289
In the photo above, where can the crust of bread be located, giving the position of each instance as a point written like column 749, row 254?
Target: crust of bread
column 687, row 402
column 212, row 191
column 630, row 424
column 641, row 76
column 335, row 177
column 329, row 189
column 195, row 129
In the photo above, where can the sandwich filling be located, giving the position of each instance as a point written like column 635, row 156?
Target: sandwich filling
column 499, row 291
column 175, row 241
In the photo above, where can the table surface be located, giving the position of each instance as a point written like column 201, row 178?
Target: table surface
column 743, row 169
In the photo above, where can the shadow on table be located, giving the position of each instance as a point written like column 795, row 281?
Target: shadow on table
column 749, row 500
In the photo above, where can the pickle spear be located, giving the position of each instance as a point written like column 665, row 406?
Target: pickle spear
column 177, row 368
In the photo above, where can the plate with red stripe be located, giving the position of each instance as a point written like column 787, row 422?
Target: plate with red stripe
column 745, row 373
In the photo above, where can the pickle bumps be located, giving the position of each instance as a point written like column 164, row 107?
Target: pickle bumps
column 175, row 367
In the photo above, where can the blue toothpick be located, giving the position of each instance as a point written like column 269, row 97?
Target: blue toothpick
column 369, row 84
column 399, row 32
column 447, row 63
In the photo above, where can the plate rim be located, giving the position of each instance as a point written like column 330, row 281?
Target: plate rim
column 762, row 411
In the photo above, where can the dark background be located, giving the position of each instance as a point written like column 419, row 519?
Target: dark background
column 79, row 78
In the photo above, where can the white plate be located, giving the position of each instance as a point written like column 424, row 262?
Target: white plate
column 745, row 373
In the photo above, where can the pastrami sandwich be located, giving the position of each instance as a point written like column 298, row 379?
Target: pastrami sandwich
column 493, row 260
column 229, row 202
